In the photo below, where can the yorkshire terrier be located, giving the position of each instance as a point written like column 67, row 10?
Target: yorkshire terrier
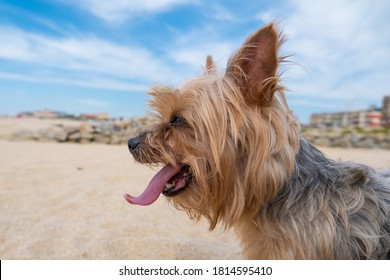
column 231, row 152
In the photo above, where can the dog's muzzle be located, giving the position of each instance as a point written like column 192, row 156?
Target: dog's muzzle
column 133, row 143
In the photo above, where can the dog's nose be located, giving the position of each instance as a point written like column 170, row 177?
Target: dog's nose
column 133, row 143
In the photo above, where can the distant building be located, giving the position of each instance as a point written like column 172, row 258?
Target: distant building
column 101, row 116
column 371, row 117
column 45, row 114
column 386, row 111
column 42, row 114
column 25, row 115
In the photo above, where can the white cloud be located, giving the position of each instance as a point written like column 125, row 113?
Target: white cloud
column 87, row 53
column 71, row 59
column 195, row 54
column 312, row 103
column 344, row 47
column 118, row 11
column 191, row 48
column 93, row 103
column 220, row 13
column 85, row 82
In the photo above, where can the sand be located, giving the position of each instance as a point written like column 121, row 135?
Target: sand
column 64, row 201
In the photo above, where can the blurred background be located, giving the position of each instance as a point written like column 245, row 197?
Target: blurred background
column 94, row 57
column 77, row 71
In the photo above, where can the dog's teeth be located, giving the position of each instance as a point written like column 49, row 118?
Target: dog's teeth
column 168, row 185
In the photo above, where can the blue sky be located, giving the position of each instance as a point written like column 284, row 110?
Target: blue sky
column 102, row 56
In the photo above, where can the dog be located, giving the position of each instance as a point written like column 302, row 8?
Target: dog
column 232, row 152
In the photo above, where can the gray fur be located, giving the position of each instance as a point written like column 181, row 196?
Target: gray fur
column 349, row 200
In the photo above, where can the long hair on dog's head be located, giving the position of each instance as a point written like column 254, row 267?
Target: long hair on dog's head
column 235, row 132
column 231, row 152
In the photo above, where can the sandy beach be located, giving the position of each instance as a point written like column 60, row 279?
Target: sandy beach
column 64, row 201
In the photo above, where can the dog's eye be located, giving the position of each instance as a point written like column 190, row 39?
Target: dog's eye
column 176, row 120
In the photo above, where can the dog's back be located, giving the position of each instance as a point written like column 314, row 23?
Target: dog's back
column 342, row 209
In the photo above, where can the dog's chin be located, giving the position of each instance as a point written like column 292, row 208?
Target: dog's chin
column 179, row 182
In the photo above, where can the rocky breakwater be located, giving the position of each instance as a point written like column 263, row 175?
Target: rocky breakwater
column 92, row 131
column 348, row 137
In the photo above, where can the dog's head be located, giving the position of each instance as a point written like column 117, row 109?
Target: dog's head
column 226, row 143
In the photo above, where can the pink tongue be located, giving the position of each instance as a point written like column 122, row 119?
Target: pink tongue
column 155, row 187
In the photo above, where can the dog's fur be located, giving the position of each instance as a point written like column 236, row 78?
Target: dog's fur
column 251, row 170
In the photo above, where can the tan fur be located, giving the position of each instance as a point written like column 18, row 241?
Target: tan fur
column 242, row 143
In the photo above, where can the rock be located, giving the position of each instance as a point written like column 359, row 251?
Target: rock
column 87, row 136
column 324, row 142
column 343, row 141
column 110, row 132
column 75, row 137
column 61, row 136
column 348, row 137
column 51, row 134
column 71, row 129
column 24, row 135
column 86, row 127
column 86, row 132
column 116, row 139
column 104, row 139
column 85, row 141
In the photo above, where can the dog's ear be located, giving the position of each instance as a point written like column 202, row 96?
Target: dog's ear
column 254, row 66
column 210, row 69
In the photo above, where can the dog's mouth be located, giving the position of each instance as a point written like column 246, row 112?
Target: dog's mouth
column 169, row 181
